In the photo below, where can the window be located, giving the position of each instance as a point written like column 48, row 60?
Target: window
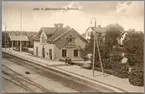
column 76, row 53
column 64, row 53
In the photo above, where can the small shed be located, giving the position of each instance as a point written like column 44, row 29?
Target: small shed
column 15, row 39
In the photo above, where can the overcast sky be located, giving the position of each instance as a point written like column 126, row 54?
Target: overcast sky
column 129, row 14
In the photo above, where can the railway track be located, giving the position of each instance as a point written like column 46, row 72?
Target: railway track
column 68, row 81
column 22, row 81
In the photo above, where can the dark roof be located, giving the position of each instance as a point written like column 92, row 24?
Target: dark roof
column 16, row 34
column 49, row 31
column 58, row 35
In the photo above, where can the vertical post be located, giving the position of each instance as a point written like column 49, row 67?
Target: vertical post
column 12, row 45
column 21, row 20
column 20, row 45
column 21, row 30
column 5, row 36
column 100, row 56
column 94, row 46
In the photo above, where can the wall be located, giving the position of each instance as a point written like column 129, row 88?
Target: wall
column 70, row 51
column 79, row 42
column 37, row 44
column 47, row 47
column 57, row 53
column 44, row 36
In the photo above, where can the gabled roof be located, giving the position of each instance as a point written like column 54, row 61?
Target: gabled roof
column 58, row 35
column 124, row 32
column 61, row 41
column 99, row 30
column 49, row 31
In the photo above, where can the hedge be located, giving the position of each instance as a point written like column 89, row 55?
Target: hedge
column 120, row 70
column 107, row 64
column 136, row 77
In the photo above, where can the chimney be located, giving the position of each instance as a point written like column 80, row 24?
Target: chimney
column 99, row 26
column 58, row 25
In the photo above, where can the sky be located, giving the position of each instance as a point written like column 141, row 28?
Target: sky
column 77, row 14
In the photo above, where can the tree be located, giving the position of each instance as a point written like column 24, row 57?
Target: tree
column 83, row 54
column 134, row 42
column 113, row 31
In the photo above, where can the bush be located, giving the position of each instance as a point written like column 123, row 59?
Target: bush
column 131, row 59
column 117, row 57
column 107, row 64
column 136, row 76
column 120, row 70
column 134, row 44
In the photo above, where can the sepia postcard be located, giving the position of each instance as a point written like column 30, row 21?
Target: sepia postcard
column 72, row 46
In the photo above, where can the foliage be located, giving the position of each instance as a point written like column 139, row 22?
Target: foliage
column 134, row 43
column 113, row 31
column 117, row 57
column 120, row 70
column 89, row 47
column 107, row 64
column 83, row 54
column 136, row 77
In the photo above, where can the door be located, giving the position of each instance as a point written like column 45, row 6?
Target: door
column 50, row 54
column 43, row 52
column 36, row 51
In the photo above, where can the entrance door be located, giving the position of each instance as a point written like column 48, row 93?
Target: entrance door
column 36, row 51
column 50, row 54
column 43, row 52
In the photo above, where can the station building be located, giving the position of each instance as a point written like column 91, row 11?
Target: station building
column 58, row 42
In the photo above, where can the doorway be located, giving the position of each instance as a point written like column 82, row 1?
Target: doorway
column 50, row 54
column 36, row 51
column 43, row 52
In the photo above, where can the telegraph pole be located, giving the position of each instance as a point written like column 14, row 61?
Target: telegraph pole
column 94, row 47
column 21, row 30
column 98, row 50
column 5, row 36
column 100, row 57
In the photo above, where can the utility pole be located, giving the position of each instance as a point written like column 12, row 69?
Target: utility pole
column 5, row 36
column 100, row 60
column 100, row 57
column 21, row 30
column 94, row 46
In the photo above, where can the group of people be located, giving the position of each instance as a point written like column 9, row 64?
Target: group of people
column 68, row 60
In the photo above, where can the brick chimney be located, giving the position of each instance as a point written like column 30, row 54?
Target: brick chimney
column 58, row 25
column 99, row 26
